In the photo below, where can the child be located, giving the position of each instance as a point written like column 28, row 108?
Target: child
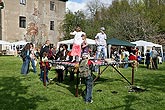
column 45, row 67
column 85, row 47
column 85, row 72
column 76, row 49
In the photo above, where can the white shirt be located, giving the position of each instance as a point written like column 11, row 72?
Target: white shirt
column 101, row 39
column 77, row 37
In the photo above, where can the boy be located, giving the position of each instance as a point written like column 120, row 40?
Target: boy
column 85, row 72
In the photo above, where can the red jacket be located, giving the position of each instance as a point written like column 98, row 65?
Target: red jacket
column 132, row 57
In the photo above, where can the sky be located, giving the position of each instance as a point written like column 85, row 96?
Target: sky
column 75, row 5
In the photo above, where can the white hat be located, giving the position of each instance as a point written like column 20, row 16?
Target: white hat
column 102, row 28
column 85, row 55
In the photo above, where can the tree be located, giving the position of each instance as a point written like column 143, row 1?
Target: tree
column 124, row 19
column 71, row 21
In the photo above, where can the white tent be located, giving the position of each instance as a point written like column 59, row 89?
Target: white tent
column 147, row 45
column 5, row 45
column 69, row 42
column 4, row 42
column 20, row 44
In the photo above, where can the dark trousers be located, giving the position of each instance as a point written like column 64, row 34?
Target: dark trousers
column 89, row 87
column 154, row 63
column 60, row 77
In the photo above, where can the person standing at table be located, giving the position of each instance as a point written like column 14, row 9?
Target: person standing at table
column 86, row 73
column 101, row 44
column 76, row 49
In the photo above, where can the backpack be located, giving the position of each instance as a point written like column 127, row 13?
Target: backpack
column 84, row 68
column 23, row 54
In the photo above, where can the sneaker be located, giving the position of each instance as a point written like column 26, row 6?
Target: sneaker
column 89, row 102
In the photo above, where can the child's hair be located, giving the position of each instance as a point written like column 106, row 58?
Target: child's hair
column 83, row 36
column 45, row 54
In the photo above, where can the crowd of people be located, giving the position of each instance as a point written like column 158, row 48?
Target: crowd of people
column 80, row 53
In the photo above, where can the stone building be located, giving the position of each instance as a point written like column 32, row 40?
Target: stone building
column 32, row 20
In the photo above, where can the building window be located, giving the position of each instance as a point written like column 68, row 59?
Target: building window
column 22, row 22
column 23, row 2
column 52, row 6
column 51, row 25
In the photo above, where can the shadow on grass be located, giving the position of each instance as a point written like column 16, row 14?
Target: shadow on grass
column 13, row 95
column 153, row 81
column 129, row 101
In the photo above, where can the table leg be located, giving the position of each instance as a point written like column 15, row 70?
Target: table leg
column 100, row 72
column 121, row 74
column 132, row 75
column 77, row 84
column 45, row 76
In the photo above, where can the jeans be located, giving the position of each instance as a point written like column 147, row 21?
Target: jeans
column 33, row 65
column 42, row 76
column 25, row 66
column 126, row 65
column 89, row 87
column 99, row 50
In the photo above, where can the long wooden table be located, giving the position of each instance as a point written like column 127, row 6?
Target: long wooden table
column 98, row 64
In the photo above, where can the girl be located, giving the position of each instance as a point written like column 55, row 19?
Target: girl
column 25, row 54
column 45, row 67
column 76, row 49
column 85, row 47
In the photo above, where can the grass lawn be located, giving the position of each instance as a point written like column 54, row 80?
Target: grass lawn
column 18, row 92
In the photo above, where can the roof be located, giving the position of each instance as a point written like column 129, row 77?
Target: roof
column 145, row 43
column 118, row 42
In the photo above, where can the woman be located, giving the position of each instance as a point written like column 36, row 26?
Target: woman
column 26, row 59
column 32, row 57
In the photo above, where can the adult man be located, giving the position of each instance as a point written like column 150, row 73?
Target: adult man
column 154, row 57
column 44, row 48
column 100, row 39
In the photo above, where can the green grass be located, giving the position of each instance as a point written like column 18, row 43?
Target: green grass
column 18, row 92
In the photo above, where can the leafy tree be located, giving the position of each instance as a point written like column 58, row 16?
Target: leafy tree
column 123, row 19
column 71, row 21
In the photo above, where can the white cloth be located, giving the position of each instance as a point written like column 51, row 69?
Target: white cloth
column 77, row 37
column 44, row 59
column 32, row 54
column 60, row 67
column 101, row 39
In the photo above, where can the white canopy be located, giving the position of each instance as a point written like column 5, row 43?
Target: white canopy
column 4, row 42
column 147, row 45
column 22, row 42
column 68, row 42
